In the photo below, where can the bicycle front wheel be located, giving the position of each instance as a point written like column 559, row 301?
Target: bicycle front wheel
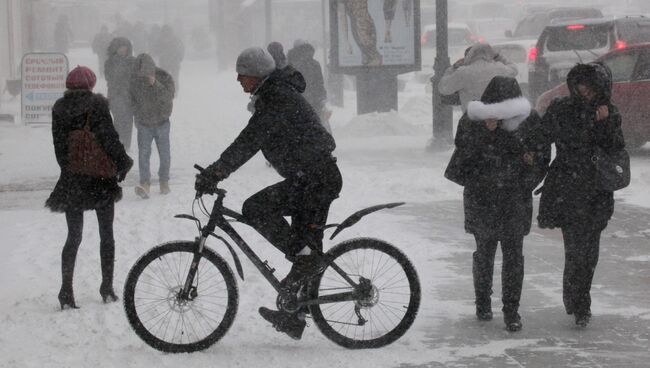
column 163, row 319
column 388, row 310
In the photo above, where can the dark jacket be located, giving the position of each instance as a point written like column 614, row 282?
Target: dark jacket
column 570, row 196
column 79, row 192
column 284, row 127
column 152, row 104
column 498, row 195
column 302, row 59
column 119, row 69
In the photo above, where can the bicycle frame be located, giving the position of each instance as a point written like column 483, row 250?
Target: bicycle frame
column 217, row 218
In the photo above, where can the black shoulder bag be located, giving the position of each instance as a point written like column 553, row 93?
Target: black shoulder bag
column 612, row 169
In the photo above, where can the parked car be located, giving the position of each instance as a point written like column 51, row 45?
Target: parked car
column 532, row 25
column 630, row 66
column 516, row 51
column 562, row 45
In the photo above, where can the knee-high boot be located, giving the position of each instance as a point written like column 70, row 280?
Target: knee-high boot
column 482, row 270
column 108, row 264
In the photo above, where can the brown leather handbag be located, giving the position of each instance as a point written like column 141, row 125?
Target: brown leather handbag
column 86, row 156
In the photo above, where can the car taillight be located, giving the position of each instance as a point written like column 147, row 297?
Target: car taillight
column 423, row 39
column 621, row 45
column 575, row 27
column 532, row 55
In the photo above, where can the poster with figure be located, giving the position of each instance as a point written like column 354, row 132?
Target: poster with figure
column 375, row 33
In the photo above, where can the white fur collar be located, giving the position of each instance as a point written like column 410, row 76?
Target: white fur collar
column 512, row 112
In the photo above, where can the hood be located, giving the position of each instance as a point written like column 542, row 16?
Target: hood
column 301, row 52
column 144, row 65
column 287, row 77
column 118, row 42
column 481, row 51
column 594, row 75
column 501, row 100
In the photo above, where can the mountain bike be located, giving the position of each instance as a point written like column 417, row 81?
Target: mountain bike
column 182, row 296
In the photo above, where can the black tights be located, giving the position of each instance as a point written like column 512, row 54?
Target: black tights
column 581, row 248
column 75, row 220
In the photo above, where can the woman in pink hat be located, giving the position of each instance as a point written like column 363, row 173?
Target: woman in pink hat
column 75, row 193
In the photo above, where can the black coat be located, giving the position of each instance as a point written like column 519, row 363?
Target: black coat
column 570, row 195
column 302, row 59
column 79, row 192
column 498, row 192
column 284, row 127
column 119, row 69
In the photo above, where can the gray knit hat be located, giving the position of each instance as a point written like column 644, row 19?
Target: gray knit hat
column 255, row 62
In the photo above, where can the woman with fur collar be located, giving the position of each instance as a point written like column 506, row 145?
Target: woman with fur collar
column 571, row 199
column 500, row 176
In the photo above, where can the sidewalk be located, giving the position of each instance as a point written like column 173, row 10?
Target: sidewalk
column 618, row 335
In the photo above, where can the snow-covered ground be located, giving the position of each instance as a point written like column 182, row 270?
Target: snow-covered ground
column 383, row 159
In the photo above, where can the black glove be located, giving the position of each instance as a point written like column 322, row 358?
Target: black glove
column 121, row 175
column 205, row 184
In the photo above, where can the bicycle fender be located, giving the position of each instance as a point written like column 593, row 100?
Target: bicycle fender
column 355, row 217
column 240, row 270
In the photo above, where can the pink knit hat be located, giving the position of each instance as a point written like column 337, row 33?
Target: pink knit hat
column 81, row 77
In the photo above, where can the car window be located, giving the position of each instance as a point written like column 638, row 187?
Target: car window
column 621, row 66
column 513, row 53
column 531, row 26
column 634, row 32
column 643, row 67
column 578, row 37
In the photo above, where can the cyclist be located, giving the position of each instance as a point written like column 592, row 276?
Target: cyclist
column 288, row 132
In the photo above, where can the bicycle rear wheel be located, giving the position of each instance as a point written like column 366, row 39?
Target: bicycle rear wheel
column 165, row 321
column 386, row 314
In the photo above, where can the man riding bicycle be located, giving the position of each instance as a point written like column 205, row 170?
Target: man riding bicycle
column 288, row 132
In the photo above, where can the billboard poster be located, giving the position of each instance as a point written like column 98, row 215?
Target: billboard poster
column 43, row 82
column 375, row 33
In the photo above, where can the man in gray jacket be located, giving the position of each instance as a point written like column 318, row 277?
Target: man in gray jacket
column 152, row 92
column 470, row 76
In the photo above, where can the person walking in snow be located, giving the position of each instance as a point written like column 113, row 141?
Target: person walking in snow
column 571, row 198
column 100, row 47
column 170, row 51
column 118, row 70
column 301, row 57
column 499, row 179
column 471, row 75
column 288, row 132
column 276, row 50
column 75, row 193
column 152, row 94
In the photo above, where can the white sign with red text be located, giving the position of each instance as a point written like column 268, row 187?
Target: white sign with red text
column 43, row 82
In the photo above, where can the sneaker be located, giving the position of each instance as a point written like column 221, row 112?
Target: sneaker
column 512, row 321
column 142, row 191
column 164, row 187
column 289, row 323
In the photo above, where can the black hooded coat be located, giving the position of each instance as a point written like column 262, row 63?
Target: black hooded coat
column 119, row 69
column 498, row 192
column 79, row 192
column 284, row 127
column 570, row 195
column 301, row 57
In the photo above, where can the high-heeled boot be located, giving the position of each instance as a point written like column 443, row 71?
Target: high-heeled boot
column 66, row 296
column 106, row 289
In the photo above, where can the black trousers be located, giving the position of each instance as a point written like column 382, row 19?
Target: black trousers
column 581, row 249
column 512, row 271
column 306, row 200
column 75, row 220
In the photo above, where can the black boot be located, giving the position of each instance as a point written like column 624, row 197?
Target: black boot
column 303, row 269
column 66, row 295
column 512, row 319
column 106, row 289
column 583, row 318
column 482, row 273
column 290, row 323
